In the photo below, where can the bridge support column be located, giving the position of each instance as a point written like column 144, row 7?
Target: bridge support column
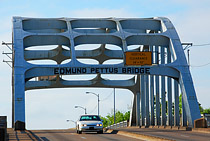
column 157, row 88
column 163, row 91
column 19, row 102
column 184, row 117
column 176, row 104
column 132, row 121
column 189, row 97
column 137, row 108
column 135, row 112
column 142, row 91
column 152, row 117
column 169, row 89
column 169, row 102
column 152, row 99
column 147, row 124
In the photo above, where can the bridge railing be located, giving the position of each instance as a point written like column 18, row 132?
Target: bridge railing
column 118, row 125
column 207, row 117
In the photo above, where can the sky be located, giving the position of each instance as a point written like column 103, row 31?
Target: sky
column 50, row 108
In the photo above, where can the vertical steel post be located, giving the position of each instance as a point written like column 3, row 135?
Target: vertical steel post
column 147, row 96
column 152, row 99
column 163, row 91
column 137, row 109
column 169, row 91
column 176, row 103
column 184, row 116
column 142, row 91
column 152, row 93
column 157, row 89
column 147, row 100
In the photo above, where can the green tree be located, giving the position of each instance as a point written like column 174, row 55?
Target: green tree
column 206, row 111
column 119, row 117
column 200, row 108
column 105, row 121
column 180, row 104
column 127, row 115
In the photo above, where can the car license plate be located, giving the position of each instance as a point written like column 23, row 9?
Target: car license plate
column 91, row 128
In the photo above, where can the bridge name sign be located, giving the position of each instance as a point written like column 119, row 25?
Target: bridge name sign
column 102, row 70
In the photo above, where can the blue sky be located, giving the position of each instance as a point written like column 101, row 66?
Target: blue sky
column 47, row 109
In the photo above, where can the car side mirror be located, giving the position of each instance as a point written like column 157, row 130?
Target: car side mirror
column 102, row 120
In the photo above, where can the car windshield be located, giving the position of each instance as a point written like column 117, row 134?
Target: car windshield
column 83, row 118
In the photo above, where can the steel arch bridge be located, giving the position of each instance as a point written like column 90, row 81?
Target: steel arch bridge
column 152, row 85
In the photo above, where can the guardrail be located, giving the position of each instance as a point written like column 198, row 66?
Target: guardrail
column 207, row 117
column 118, row 125
column 3, row 128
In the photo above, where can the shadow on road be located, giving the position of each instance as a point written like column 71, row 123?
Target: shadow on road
column 38, row 138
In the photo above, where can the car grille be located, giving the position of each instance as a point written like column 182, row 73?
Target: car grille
column 91, row 125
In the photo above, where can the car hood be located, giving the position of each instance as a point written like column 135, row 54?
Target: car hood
column 90, row 122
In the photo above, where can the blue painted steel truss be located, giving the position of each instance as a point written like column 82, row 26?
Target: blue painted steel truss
column 114, row 36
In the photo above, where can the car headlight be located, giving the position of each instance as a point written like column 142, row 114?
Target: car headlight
column 84, row 125
column 99, row 125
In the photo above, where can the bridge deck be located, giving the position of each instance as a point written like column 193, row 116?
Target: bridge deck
column 130, row 133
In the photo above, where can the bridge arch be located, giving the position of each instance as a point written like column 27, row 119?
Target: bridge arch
column 151, row 83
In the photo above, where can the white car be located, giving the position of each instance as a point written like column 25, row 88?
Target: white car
column 89, row 123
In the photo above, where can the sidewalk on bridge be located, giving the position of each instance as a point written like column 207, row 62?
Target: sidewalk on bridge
column 19, row 135
column 150, row 133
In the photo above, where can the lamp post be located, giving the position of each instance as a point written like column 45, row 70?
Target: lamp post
column 114, row 104
column 82, row 108
column 98, row 99
column 71, row 121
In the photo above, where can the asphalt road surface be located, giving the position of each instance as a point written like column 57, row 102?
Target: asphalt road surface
column 124, row 134
column 71, row 135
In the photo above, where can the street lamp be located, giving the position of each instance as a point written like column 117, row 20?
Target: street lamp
column 71, row 121
column 98, row 99
column 82, row 108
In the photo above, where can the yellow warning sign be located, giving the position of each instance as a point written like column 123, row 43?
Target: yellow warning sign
column 138, row 58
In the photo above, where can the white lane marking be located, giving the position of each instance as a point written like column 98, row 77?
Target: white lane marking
column 184, row 136
column 83, row 138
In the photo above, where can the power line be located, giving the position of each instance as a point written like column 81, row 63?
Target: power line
column 190, row 45
column 107, row 96
column 93, row 109
column 201, row 65
column 202, row 44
